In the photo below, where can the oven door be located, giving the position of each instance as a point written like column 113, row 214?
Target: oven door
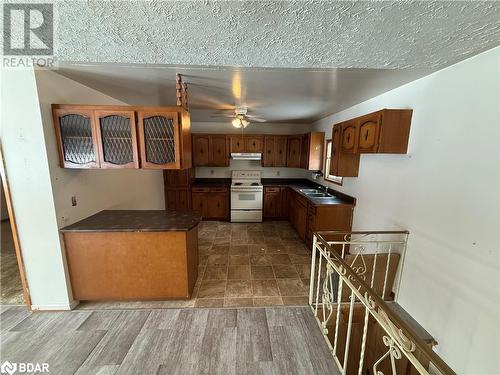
column 246, row 199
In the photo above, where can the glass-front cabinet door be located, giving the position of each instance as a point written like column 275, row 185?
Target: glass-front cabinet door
column 76, row 135
column 117, row 139
column 159, row 139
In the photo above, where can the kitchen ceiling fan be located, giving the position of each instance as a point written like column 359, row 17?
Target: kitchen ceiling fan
column 240, row 116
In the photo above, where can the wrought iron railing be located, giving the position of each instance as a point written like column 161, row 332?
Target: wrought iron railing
column 355, row 277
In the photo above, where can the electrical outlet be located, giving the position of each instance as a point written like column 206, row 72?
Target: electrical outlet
column 278, row 173
column 73, row 201
column 211, row 171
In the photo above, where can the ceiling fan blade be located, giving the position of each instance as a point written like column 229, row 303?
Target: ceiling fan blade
column 255, row 119
column 223, row 109
column 222, row 115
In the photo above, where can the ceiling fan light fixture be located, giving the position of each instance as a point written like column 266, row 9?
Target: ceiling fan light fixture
column 237, row 123
column 245, row 122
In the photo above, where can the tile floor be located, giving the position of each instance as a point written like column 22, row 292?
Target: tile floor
column 242, row 265
column 261, row 264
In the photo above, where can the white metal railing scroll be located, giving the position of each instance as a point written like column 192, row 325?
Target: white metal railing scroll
column 353, row 277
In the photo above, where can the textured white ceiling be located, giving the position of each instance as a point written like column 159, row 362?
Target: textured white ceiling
column 359, row 34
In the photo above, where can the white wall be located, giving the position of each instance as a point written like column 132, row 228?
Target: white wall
column 28, row 174
column 446, row 192
column 95, row 190
column 254, row 128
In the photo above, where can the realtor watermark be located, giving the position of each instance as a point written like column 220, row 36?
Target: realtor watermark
column 24, row 368
column 28, row 35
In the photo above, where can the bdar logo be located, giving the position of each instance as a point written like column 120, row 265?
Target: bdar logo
column 8, row 368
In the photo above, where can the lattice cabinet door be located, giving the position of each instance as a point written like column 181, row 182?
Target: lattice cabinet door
column 159, row 139
column 76, row 138
column 117, row 139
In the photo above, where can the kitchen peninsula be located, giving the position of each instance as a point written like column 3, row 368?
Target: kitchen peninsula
column 133, row 255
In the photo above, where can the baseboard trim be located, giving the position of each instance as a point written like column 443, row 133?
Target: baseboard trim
column 62, row 307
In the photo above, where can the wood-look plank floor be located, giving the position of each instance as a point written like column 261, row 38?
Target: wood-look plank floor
column 11, row 292
column 280, row 340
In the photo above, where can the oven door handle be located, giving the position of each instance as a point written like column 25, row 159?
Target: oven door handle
column 245, row 191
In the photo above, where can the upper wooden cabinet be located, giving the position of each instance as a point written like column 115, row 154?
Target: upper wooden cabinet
column 159, row 139
column 306, row 151
column 247, row 143
column 342, row 163
column 210, row 150
column 293, row 153
column 385, row 131
column 349, row 131
column 76, row 137
column 219, row 150
column 116, row 139
column 103, row 136
column 274, row 154
column 368, row 132
column 201, row 150
column 254, row 143
column 237, row 143
column 313, row 145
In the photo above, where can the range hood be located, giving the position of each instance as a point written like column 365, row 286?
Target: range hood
column 246, row 156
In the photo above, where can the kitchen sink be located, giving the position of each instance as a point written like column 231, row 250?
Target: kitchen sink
column 319, row 195
column 316, row 193
column 307, row 191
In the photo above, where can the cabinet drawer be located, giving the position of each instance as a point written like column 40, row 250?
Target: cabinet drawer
column 272, row 189
column 219, row 190
column 200, row 190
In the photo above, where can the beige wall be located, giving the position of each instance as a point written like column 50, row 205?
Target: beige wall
column 446, row 192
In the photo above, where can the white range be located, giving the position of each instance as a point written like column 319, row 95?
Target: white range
column 246, row 197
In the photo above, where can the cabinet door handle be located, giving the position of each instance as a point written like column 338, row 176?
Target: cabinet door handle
column 366, row 135
column 348, row 137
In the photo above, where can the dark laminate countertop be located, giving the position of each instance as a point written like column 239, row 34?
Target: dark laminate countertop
column 294, row 183
column 301, row 183
column 136, row 221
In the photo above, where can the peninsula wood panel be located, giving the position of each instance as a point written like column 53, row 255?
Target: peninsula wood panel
column 132, row 265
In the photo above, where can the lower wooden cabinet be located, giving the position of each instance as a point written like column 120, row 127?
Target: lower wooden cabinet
column 307, row 218
column 211, row 203
column 177, row 199
column 301, row 218
column 177, row 185
column 275, row 202
column 336, row 217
